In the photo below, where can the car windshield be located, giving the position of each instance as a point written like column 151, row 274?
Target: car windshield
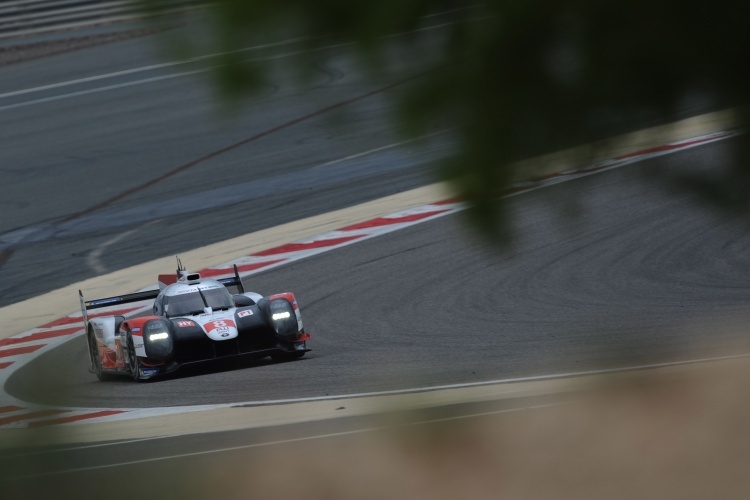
column 186, row 304
column 218, row 298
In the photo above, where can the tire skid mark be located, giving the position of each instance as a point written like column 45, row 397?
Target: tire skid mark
column 231, row 147
column 5, row 256
column 37, row 415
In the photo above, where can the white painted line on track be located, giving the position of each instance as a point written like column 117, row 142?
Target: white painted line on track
column 89, row 446
column 98, row 90
column 131, row 413
column 134, row 83
column 94, row 258
column 536, row 378
column 150, row 412
column 151, row 67
column 303, row 249
column 193, row 60
column 279, row 442
column 382, row 148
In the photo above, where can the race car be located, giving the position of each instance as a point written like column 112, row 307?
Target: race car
column 194, row 320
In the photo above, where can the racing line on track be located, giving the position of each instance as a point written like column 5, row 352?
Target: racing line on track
column 22, row 348
column 7, row 253
column 226, row 149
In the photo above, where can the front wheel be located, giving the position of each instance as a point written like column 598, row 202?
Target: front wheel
column 134, row 364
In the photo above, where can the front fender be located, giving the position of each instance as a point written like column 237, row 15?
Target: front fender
column 283, row 315
column 289, row 296
column 104, row 328
column 142, row 330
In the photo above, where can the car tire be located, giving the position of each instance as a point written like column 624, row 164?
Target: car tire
column 134, row 364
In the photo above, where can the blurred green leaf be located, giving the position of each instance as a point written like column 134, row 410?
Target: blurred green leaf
column 519, row 78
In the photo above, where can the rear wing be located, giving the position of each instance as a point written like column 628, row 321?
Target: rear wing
column 87, row 305
column 120, row 299
column 167, row 279
column 233, row 281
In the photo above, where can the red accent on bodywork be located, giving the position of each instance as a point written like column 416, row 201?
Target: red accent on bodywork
column 40, row 336
column 387, row 221
column 288, row 296
column 19, row 350
column 167, row 279
column 304, row 336
column 111, row 358
column 138, row 323
column 210, row 273
column 219, row 323
column 28, row 416
column 5, row 365
column 296, row 247
column 75, row 418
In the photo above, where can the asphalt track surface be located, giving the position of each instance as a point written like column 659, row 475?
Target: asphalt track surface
column 629, row 281
column 642, row 276
column 638, row 276
column 632, row 274
column 117, row 154
column 84, row 128
column 179, row 466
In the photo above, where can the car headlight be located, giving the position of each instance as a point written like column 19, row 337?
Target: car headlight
column 157, row 338
column 284, row 319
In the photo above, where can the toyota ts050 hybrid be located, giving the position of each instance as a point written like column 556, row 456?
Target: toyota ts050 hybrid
column 193, row 320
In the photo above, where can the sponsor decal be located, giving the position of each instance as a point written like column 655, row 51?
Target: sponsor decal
column 138, row 346
column 220, row 323
column 242, row 314
column 98, row 333
column 103, row 301
column 136, row 329
column 146, row 372
column 221, row 327
column 185, row 324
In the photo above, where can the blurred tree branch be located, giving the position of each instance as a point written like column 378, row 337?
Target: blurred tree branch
column 523, row 77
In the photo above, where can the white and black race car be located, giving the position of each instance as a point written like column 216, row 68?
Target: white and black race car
column 193, row 320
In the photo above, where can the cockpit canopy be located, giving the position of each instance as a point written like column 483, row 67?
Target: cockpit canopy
column 194, row 299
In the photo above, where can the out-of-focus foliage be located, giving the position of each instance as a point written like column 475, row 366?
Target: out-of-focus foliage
column 523, row 77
